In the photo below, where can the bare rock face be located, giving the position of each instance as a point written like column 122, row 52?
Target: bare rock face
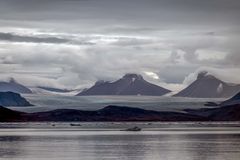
column 129, row 84
column 208, row 86
column 12, row 99
column 13, row 86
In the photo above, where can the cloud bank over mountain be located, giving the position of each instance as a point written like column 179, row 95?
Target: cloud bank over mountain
column 73, row 43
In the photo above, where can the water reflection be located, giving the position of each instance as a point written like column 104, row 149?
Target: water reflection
column 10, row 146
column 99, row 145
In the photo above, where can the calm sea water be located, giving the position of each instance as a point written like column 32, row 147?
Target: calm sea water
column 102, row 141
column 49, row 102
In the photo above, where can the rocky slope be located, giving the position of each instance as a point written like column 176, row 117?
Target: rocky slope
column 208, row 86
column 130, row 84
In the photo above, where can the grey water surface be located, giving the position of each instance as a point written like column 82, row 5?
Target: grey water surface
column 102, row 141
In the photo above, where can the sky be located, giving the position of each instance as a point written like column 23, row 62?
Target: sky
column 73, row 43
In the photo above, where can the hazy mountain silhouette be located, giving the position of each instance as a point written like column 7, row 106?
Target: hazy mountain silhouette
column 13, row 86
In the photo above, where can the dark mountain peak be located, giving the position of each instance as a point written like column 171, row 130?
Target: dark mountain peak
column 208, row 86
column 204, row 75
column 129, row 84
column 100, row 82
column 133, row 76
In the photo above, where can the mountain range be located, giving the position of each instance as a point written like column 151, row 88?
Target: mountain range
column 205, row 86
column 208, row 86
column 129, row 84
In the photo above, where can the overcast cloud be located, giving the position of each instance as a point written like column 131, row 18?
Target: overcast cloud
column 73, row 43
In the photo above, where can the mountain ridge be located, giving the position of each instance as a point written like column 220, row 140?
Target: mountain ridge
column 129, row 84
column 208, row 86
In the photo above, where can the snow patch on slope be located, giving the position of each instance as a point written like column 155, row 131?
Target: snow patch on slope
column 220, row 88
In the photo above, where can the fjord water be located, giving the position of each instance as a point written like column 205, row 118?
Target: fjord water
column 101, row 141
